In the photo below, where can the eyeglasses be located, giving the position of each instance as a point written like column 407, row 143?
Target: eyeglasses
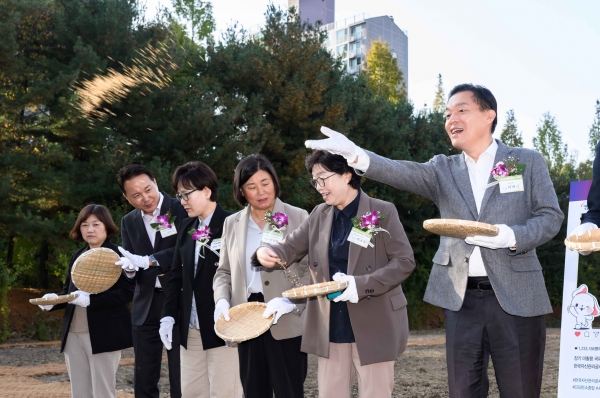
column 184, row 195
column 320, row 181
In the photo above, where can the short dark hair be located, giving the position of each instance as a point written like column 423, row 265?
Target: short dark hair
column 103, row 215
column 128, row 172
column 246, row 168
column 196, row 175
column 482, row 96
column 333, row 163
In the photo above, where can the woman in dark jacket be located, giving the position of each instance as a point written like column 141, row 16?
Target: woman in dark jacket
column 96, row 327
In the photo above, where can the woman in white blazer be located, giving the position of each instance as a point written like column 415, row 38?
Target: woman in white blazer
column 271, row 363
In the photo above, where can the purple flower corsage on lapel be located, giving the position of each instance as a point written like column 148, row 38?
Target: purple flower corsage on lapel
column 277, row 221
column 202, row 236
column 164, row 221
column 369, row 223
column 506, row 168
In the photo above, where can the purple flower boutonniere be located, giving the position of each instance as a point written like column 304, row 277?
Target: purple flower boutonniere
column 202, row 236
column 508, row 168
column 164, row 221
column 277, row 221
column 365, row 227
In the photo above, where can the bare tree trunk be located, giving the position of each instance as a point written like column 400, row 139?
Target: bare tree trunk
column 10, row 251
column 43, row 265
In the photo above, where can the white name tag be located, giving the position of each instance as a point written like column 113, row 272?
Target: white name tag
column 168, row 232
column 215, row 244
column 271, row 237
column 511, row 184
column 359, row 237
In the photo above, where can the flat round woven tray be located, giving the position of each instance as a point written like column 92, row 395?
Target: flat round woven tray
column 588, row 242
column 318, row 289
column 95, row 270
column 246, row 322
column 459, row 228
column 65, row 298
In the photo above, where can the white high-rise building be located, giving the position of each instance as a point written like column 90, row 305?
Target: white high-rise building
column 351, row 37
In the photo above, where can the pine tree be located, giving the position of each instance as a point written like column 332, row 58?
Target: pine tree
column 511, row 135
column 382, row 72
column 595, row 130
column 550, row 144
column 439, row 103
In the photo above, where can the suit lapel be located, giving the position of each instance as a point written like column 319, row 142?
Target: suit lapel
column 460, row 174
column 364, row 206
column 216, row 228
column 164, row 208
column 326, row 222
column 189, row 251
column 141, row 228
column 502, row 153
column 241, row 234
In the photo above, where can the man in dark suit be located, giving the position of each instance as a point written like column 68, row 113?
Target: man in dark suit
column 491, row 288
column 149, row 238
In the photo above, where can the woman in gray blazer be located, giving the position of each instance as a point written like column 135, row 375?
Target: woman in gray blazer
column 271, row 363
column 365, row 329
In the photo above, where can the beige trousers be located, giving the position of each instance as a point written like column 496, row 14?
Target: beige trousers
column 214, row 373
column 92, row 375
column 336, row 374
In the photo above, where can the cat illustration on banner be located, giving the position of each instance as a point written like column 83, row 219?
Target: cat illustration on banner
column 584, row 307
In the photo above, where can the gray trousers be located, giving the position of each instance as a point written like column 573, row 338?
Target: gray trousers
column 481, row 329
column 92, row 375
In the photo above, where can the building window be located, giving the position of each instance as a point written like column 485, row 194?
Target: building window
column 342, row 35
column 356, row 32
column 341, row 49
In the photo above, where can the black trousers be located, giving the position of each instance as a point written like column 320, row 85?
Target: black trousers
column 480, row 329
column 269, row 366
column 148, row 350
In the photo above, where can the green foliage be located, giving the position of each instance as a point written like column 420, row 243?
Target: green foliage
column 595, row 130
column 510, row 134
column 383, row 75
column 550, row 144
column 198, row 14
column 439, row 102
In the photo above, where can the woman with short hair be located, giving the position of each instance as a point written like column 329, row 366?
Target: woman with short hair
column 208, row 367
column 96, row 327
column 358, row 240
column 271, row 363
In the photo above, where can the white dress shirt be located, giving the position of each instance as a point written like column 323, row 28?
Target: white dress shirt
column 253, row 242
column 150, row 219
column 479, row 174
column 194, row 322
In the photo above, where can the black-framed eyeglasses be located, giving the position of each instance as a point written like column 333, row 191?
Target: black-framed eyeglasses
column 184, row 195
column 320, row 181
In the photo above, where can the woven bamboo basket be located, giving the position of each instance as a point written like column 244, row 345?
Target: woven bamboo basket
column 95, row 270
column 246, row 322
column 65, row 298
column 459, row 228
column 588, row 242
column 318, row 289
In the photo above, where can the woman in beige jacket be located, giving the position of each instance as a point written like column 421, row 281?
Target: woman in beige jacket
column 271, row 363
column 364, row 329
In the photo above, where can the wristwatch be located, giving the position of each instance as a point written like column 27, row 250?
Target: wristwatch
column 153, row 262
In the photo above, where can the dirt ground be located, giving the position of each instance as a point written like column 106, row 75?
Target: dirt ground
column 38, row 370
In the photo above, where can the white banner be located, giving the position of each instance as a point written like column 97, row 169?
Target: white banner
column 579, row 366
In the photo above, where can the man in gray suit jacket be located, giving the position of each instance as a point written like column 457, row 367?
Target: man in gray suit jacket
column 491, row 288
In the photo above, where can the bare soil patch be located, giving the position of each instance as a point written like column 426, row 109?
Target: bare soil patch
column 38, row 370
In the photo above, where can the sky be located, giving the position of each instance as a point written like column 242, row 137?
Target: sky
column 536, row 56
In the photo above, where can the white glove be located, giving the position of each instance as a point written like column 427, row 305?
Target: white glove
column 278, row 306
column 222, row 307
column 82, row 300
column 350, row 294
column 138, row 262
column 48, row 307
column 339, row 144
column 128, row 266
column 582, row 230
column 166, row 331
column 504, row 239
